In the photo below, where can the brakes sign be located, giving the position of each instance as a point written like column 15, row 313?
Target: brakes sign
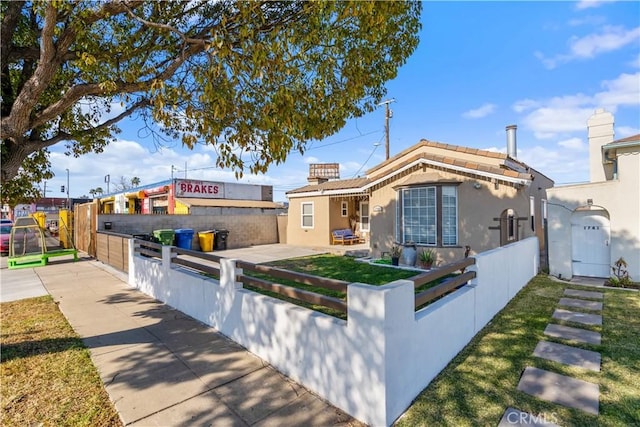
column 202, row 189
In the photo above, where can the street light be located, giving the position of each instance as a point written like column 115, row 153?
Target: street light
column 68, row 204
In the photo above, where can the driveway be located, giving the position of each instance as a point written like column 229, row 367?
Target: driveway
column 268, row 253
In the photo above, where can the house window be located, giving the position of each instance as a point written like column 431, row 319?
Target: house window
column 449, row 216
column 344, row 209
column 543, row 211
column 307, row 215
column 532, row 212
column 428, row 215
column 364, row 216
column 511, row 225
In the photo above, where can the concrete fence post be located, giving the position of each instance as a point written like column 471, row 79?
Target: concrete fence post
column 132, row 265
column 378, row 319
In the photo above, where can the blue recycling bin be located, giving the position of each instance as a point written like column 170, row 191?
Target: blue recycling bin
column 184, row 237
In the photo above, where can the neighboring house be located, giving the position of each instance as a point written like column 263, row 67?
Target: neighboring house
column 592, row 225
column 435, row 195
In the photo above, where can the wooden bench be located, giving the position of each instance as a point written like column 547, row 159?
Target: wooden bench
column 344, row 236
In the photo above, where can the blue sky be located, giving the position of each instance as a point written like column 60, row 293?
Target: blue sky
column 480, row 66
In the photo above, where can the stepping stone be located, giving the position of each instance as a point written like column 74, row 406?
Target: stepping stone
column 572, row 316
column 568, row 355
column 583, row 294
column 560, row 389
column 580, row 303
column 515, row 418
column 575, row 334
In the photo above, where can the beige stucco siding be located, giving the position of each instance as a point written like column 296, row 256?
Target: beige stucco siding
column 476, row 210
column 319, row 234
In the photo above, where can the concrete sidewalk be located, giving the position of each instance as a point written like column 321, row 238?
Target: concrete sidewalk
column 163, row 368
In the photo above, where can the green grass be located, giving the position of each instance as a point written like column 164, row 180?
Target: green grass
column 333, row 267
column 47, row 374
column 480, row 382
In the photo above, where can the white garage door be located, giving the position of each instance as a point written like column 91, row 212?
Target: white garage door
column 591, row 237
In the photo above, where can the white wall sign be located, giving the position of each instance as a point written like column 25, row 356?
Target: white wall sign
column 200, row 189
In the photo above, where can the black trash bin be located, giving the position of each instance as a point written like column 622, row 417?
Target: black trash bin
column 220, row 239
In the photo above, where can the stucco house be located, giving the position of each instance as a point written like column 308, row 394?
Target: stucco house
column 592, row 225
column 434, row 195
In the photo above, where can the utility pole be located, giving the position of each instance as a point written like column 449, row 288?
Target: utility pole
column 388, row 114
column 68, row 204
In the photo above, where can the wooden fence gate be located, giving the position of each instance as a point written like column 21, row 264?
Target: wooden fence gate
column 85, row 227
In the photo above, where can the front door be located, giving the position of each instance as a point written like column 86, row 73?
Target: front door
column 590, row 244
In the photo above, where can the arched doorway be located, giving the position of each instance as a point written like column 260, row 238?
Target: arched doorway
column 590, row 242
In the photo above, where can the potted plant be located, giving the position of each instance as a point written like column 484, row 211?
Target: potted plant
column 395, row 253
column 427, row 258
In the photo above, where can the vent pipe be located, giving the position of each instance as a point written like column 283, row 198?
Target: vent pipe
column 512, row 148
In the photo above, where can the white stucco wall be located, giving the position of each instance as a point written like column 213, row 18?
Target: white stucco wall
column 620, row 198
column 374, row 364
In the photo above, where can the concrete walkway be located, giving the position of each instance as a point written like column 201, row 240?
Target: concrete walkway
column 163, row 368
column 562, row 389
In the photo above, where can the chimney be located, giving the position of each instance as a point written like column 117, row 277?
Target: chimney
column 600, row 132
column 316, row 180
column 512, row 148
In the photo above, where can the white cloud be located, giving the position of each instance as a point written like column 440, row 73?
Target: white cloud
column 311, row 159
column 587, row 20
column 624, row 90
column 480, row 112
column 547, row 122
column 590, row 4
column 525, row 104
column 635, row 62
column 569, row 113
column 573, row 144
column 556, row 162
column 609, row 39
column 624, row 131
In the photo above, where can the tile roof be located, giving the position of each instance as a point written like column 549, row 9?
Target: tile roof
column 375, row 173
column 631, row 138
column 341, row 184
column 481, row 167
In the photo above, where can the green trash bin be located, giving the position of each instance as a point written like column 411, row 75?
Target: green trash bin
column 164, row 236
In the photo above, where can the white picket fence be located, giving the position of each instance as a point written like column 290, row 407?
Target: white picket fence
column 371, row 365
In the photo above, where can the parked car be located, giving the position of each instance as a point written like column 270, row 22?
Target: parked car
column 5, row 236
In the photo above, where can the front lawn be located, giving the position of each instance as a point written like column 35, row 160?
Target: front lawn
column 480, row 382
column 48, row 378
column 332, row 267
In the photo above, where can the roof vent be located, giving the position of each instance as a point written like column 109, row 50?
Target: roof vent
column 512, row 149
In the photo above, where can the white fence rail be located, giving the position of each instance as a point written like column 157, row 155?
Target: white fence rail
column 372, row 365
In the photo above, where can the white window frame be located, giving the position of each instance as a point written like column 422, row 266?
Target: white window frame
column 441, row 215
column 365, row 219
column 344, row 209
column 401, row 232
column 543, row 210
column 303, row 215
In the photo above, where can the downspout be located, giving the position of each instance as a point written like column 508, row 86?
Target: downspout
column 614, row 161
